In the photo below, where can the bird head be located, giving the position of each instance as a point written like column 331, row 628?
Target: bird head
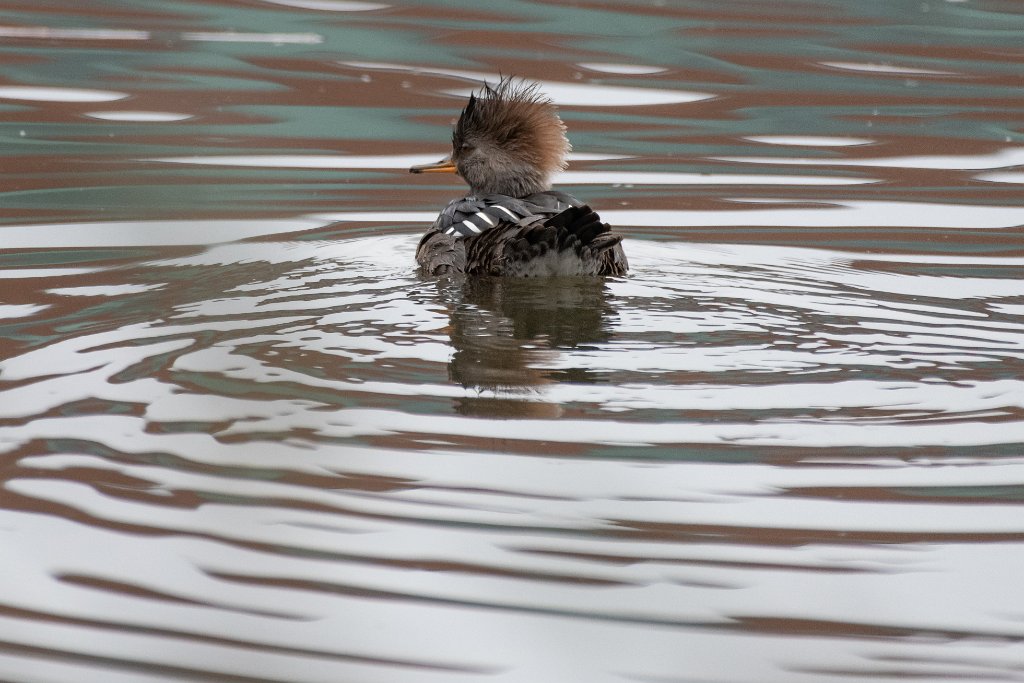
column 508, row 140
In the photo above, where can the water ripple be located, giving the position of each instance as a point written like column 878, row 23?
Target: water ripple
column 241, row 439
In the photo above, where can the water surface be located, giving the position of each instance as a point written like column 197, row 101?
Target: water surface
column 241, row 439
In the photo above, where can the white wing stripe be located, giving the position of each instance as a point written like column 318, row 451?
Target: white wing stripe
column 511, row 215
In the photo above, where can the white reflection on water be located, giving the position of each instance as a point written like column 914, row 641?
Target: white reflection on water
column 139, row 116
column 831, row 213
column 20, row 310
column 797, row 434
column 54, row 94
column 810, row 140
column 140, row 233
column 329, row 5
column 53, row 33
column 234, row 37
column 104, row 290
column 834, row 214
column 627, row 69
column 24, row 273
column 655, row 178
column 887, row 69
column 1004, row 177
column 1008, row 156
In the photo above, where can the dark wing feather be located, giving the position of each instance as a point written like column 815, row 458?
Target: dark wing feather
column 574, row 242
column 440, row 254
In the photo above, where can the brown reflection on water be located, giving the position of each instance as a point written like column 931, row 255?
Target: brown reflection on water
column 501, row 326
column 504, row 331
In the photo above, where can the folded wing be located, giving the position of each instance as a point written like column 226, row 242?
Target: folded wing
column 573, row 242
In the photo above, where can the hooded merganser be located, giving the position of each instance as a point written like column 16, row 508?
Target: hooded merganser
column 507, row 143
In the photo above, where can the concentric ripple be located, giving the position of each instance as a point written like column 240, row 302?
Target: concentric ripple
column 319, row 439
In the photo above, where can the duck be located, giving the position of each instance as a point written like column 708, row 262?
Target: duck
column 507, row 144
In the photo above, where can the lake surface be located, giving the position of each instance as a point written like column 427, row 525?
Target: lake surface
column 241, row 439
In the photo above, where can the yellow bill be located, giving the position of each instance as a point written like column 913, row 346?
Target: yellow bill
column 446, row 165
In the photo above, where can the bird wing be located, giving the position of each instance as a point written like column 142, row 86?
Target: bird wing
column 548, row 233
column 573, row 242
column 441, row 254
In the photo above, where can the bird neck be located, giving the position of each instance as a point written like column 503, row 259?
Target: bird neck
column 518, row 183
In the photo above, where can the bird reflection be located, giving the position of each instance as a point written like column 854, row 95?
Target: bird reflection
column 508, row 332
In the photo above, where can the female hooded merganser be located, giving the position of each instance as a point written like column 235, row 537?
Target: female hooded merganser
column 507, row 143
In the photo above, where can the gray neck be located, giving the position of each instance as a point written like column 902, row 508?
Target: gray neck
column 498, row 174
column 515, row 186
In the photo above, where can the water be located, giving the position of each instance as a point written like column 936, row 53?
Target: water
column 242, row 440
